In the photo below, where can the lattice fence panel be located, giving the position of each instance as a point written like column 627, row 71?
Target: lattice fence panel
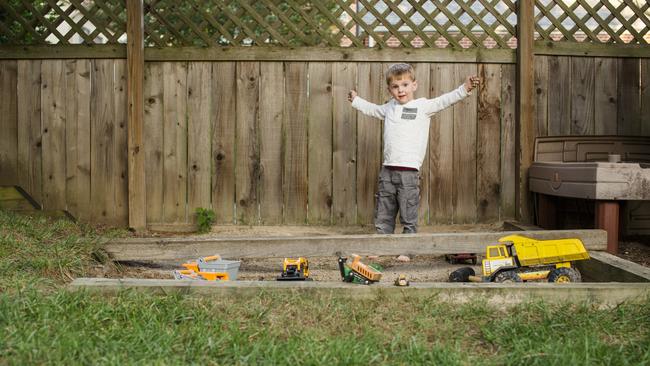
column 598, row 21
column 62, row 22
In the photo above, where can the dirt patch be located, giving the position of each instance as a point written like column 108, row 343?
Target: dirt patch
column 636, row 250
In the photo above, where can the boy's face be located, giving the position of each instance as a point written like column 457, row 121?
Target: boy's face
column 402, row 88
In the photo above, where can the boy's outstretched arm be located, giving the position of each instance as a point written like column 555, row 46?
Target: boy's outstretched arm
column 365, row 107
column 446, row 100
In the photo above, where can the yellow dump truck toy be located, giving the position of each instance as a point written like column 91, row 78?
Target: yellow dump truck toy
column 517, row 258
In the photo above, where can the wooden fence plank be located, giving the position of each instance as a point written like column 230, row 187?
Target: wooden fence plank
column 121, row 148
column 582, row 96
column 294, row 177
column 629, row 108
column 8, row 123
column 199, row 112
column 508, row 138
column 344, row 145
column 422, row 75
column 320, row 143
column 101, row 127
column 247, row 148
column 559, row 115
column 645, row 97
column 271, row 117
column 174, row 141
column 369, row 83
column 71, row 138
column 541, row 96
column 223, row 141
column 605, row 96
column 53, row 120
column 153, row 134
column 83, row 87
column 441, row 149
column 488, row 143
column 29, row 132
column 465, row 111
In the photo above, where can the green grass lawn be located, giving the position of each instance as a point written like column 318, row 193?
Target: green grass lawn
column 41, row 322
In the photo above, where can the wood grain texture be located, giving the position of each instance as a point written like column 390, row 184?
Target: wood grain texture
column 488, row 142
column 121, row 147
column 541, row 96
column 223, row 141
column 605, row 98
column 153, row 147
column 53, row 116
column 199, row 114
column 508, row 138
column 320, row 143
column 344, row 145
column 247, row 147
column 370, row 81
column 28, row 100
column 465, row 132
column 559, row 114
column 294, row 171
column 271, row 119
column 8, row 123
column 629, row 107
column 422, row 76
column 174, row 141
column 441, row 149
column 582, row 96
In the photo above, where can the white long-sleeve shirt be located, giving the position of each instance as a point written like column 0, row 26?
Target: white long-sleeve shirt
column 406, row 126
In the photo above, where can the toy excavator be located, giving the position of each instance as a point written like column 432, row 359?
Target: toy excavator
column 295, row 269
column 358, row 272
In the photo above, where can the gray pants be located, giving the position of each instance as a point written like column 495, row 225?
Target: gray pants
column 398, row 190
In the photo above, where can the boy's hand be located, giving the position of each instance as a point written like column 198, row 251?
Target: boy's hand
column 472, row 82
column 352, row 94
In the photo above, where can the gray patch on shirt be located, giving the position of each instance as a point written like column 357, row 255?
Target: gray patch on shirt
column 408, row 116
column 410, row 110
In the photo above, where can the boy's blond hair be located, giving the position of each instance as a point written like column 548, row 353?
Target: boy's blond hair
column 399, row 70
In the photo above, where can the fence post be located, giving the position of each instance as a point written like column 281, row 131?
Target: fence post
column 135, row 84
column 524, row 105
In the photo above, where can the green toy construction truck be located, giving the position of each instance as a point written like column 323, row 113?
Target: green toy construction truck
column 517, row 258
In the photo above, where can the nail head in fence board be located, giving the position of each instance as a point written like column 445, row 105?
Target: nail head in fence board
column 320, row 143
column 54, row 120
column 153, row 129
column 344, row 145
column 559, row 116
column 369, row 83
column 422, row 76
column 247, row 148
column 135, row 94
column 174, row 141
column 465, row 117
column 441, row 148
column 101, row 127
column 8, row 123
column 629, row 109
column 176, row 249
column 508, row 138
column 605, row 96
column 294, row 177
column 223, row 141
column 271, row 117
column 121, row 152
column 199, row 112
column 488, row 142
column 541, row 96
column 28, row 100
column 582, row 96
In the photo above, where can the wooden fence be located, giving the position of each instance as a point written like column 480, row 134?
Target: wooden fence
column 263, row 134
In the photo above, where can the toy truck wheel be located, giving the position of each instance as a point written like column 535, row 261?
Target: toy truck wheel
column 507, row 277
column 564, row 275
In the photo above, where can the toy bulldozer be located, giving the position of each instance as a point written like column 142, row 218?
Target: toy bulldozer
column 358, row 272
column 517, row 258
column 295, row 270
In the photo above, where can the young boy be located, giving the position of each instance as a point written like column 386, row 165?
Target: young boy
column 406, row 134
